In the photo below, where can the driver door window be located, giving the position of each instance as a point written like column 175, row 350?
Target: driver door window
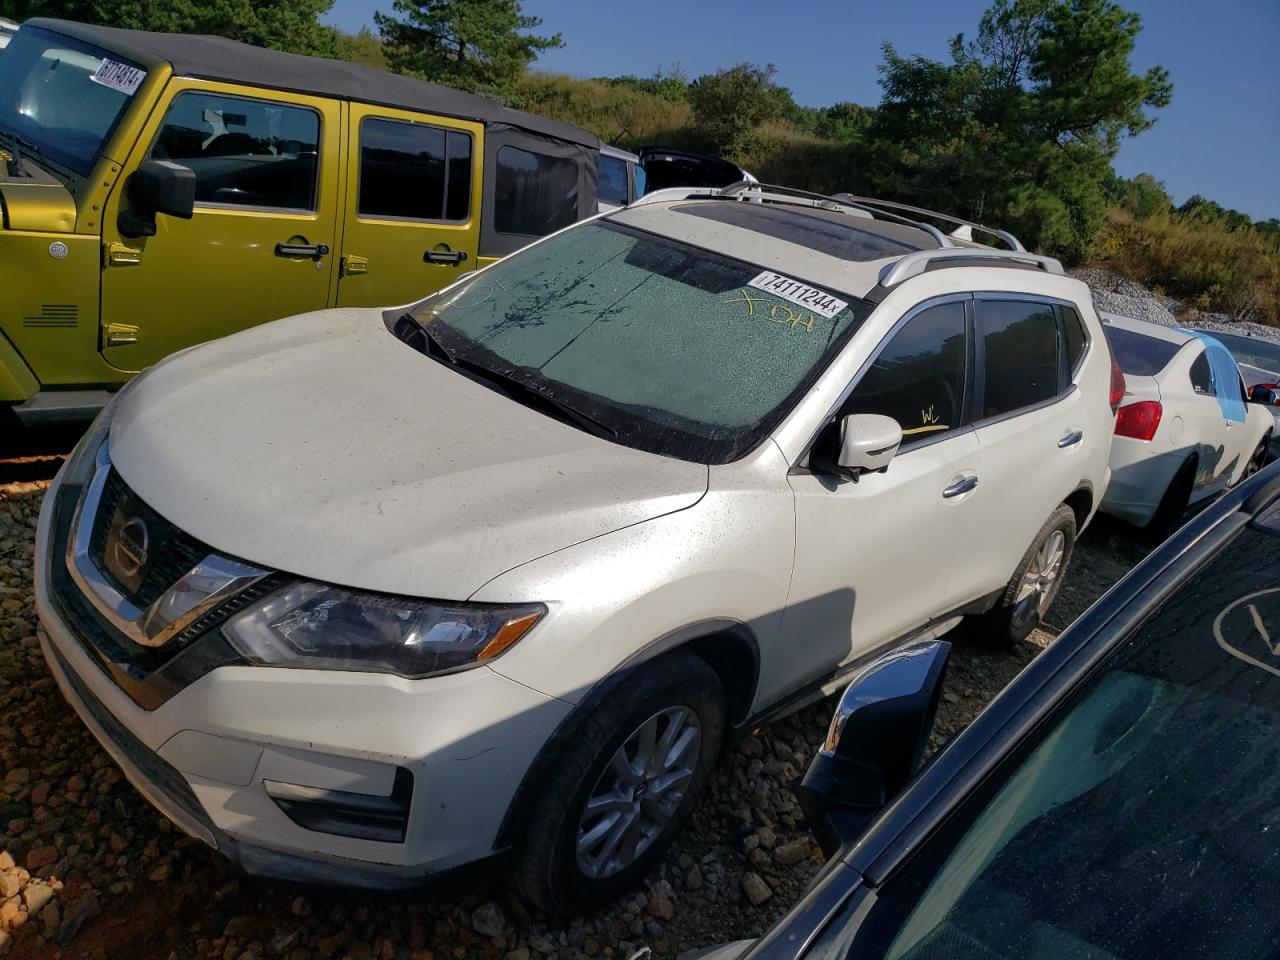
column 245, row 153
column 918, row 378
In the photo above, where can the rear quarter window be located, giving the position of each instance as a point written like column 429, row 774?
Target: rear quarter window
column 1074, row 337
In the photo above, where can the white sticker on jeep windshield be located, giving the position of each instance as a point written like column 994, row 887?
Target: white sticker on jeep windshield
column 119, row 76
column 819, row 301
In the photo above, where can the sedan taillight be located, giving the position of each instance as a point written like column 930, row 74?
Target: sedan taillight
column 1139, row 420
column 1117, row 386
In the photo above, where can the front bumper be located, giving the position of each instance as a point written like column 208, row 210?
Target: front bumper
column 205, row 756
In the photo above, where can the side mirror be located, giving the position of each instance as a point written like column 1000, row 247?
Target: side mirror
column 875, row 743
column 1261, row 393
column 862, row 443
column 157, row 186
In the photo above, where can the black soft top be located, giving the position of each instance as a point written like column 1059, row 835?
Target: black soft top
column 217, row 58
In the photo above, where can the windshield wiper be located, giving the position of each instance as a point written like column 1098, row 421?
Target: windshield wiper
column 516, row 389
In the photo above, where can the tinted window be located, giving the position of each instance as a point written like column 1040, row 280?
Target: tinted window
column 669, row 345
column 918, row 378
column 1141, row 818
column 250, row 153
column 1075, row 337
column 413, row 171
column 1137, row 353
column 641, row 180
column 611, row 184
column 1201, row 375
column 1021, row 343
column 536, row 194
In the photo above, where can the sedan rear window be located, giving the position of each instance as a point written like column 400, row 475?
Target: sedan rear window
column 677, row 350
column 1138, row 354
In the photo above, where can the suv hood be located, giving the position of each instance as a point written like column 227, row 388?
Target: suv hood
column 323, row 446
column 34, row 200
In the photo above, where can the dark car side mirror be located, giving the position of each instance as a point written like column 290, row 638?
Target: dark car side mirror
column 1260, row 393
column 157, row 186
column 875, row 743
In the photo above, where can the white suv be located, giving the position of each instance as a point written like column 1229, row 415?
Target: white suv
column 360, row 596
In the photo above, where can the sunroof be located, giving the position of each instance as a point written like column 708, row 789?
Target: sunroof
column 835, row 234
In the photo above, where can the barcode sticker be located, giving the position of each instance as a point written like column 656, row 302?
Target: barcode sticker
column 119, row 76
column 819, row 301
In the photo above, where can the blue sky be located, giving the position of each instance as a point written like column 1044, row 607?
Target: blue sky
column 1220, row 137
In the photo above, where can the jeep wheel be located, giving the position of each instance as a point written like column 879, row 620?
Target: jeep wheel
column 1034, row 584
column 617, row 797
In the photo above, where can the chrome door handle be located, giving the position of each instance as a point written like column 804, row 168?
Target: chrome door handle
column 315, row 250
column 959, row 487
column 1071, row 439
column 445, row 256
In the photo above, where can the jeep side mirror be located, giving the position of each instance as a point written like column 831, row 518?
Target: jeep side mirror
column 157, row 186
column 1261, row 393
column 875, row 743
column 858, row 443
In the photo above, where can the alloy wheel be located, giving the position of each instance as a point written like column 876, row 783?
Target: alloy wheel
column 1036, row 589
column 638, row 792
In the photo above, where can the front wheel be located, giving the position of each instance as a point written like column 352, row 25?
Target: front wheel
column 1258, row 460
column 1034, row 584
column 630, row 776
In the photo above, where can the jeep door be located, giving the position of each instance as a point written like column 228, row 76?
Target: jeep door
column 259, row 246
column 412, row 207
column 874, row 558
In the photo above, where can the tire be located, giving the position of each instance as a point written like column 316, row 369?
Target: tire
column 1174, row 503
column 1017, row 612
column 1258, row 460
column 548, row 868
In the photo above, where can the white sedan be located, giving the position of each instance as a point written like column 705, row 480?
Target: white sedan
column 1185, row 430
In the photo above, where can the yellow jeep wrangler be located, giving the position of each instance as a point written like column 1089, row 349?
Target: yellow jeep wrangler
column 161, row 190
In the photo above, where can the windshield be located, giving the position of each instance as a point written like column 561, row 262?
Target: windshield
column 1143, row 820
column 63, row 97
column 675, row 349
column 1254, row 351
column 1138, row 354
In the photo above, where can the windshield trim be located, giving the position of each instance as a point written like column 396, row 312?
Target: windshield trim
column 57, row 161
column 642, row 433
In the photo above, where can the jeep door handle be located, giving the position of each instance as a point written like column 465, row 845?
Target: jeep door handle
column 957, row 487
column 313, row 250
column 1071, row 439
column 445, row 256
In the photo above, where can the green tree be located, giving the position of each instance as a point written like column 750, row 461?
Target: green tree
column 1020, row 127
column 730, row 104
column 363, row 47
column 478, row 45
column 291, row 25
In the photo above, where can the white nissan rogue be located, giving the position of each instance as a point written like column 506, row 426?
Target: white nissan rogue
column 360, row 596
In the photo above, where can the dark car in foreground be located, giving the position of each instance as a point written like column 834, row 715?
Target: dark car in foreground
column 1120, row 799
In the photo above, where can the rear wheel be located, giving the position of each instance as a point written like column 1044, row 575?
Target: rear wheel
column 1174, row 503
column 1034, row 584
column 616, row 799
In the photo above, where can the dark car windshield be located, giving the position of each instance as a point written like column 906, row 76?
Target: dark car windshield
column 1137, row 353
column 63, row 97
column 675, row 349
column 1255, row 351
column 1142, row 819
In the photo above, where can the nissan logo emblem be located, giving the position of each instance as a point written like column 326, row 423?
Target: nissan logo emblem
column 131, row 546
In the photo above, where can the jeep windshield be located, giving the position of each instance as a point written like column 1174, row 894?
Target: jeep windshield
column 61, row 98
column 673, row 349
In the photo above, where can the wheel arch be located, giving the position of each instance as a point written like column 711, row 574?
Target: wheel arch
column 729, row 647
column 1081, row 502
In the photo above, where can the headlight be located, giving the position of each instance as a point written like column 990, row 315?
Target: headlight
column 331, row 628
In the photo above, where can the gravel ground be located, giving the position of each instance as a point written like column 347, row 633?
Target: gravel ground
column 1117, row 294
column 89, row 869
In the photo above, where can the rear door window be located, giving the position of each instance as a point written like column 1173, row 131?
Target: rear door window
column 245, row 153
column 611, row 186
column 1020, row 346
column 918, row 378
column 536, row 194
column 413, row 171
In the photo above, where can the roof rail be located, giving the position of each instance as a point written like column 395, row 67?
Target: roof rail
column 914, row 264
column 870, row 202
column 769, row 191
